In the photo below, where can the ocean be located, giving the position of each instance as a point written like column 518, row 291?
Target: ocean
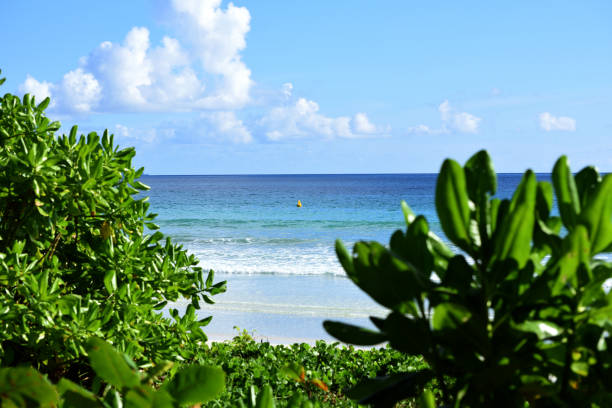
column 278, row 259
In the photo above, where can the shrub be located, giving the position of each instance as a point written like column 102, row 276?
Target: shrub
column 119, row 383
column 75, row 258
column 519, row 315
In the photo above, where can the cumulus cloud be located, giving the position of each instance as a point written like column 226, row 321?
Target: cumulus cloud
column 460, row 121
column 40, row 90
column 134, row 75
column 452, row 121
column 225, row 125
column 549, row 122
column 302, row 119
column 218, row 36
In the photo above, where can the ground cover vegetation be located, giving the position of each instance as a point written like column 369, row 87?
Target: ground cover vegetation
column 517, row 316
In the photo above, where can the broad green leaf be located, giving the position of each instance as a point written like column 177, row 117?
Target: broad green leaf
column 26, row 387
column 73, row 395
column 386, row 391
column 196, row 384
column 453, row 204
column 388, row 280
column 110, row 281
column 265, row 399
column 576, row 254
column 450, row 316
column 513, row 238
column 566, row 192
column 110, row 364
column 597, row 216
column 480, row 176
column 294, row 371
column 147, row 397
column 427, row 400
column 351, row 334
column 587, row 181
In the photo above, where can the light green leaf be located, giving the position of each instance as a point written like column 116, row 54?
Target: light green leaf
column 110, row 364
column 196, row 384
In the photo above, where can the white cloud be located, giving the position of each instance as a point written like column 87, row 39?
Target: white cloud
column 79, row 91
column 40, row 90
column 218, row 37
column 363, row 125
column 549, row 122
column 147, row 135
column 422, row 129
column 302, row 119
column 287, row 90
column 226, row 126
column 133, row 75
column 452, row 121
column 460, row 121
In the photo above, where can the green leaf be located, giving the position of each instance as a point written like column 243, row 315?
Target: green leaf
column 450, row 316
column 513, row 238
column 480, row 176
column 265, row 399
column 453, row 205
column 73, row 395
column 427, row 400
column 587, row 181
column 566, row 192
column 351, row 334
column 576, row 254
column 110, row 365
column 294, row 371
column 110, row 281
column 386, row 391
column 26, row 387
column 388, row 280
column 196, row 384
column 597, row 216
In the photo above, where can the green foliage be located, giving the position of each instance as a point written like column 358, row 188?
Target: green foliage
column 298, row 374
column 125, row 385
column 518, row 317
column 75, row 257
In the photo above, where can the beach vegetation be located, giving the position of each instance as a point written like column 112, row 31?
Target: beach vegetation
column 81, row 256
column 515, row 313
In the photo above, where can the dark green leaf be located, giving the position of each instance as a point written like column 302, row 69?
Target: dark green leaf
column 110, row 365
column 452, row 204
column 351, row 334
column 196, row 384
column 566, row 192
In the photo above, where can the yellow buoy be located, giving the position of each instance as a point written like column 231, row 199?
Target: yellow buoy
column 299, row 204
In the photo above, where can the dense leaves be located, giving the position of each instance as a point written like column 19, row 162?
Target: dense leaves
column 520, row 317
column 123, row 384
column 76, row 259
column 300, row 372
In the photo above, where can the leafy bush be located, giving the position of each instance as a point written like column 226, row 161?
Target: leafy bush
column 251, row 364
column 118, row 383
column 75, row 260
column 519, row 315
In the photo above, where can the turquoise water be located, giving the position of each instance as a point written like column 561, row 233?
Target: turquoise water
column 283, row 276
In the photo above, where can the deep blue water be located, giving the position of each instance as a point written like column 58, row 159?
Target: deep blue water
column 283, row 277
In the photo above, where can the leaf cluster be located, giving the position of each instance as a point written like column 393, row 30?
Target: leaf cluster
column 518, row 315
column 118, row 383
column 251, row 366
column 80, row 255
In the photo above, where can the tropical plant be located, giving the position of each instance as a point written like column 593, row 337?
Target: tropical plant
column 75, row 258
column 518, row 315
column 118, row 383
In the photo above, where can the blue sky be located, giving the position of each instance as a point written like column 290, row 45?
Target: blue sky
column 212, row 87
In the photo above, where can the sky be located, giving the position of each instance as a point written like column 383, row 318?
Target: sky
column 261, row 87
